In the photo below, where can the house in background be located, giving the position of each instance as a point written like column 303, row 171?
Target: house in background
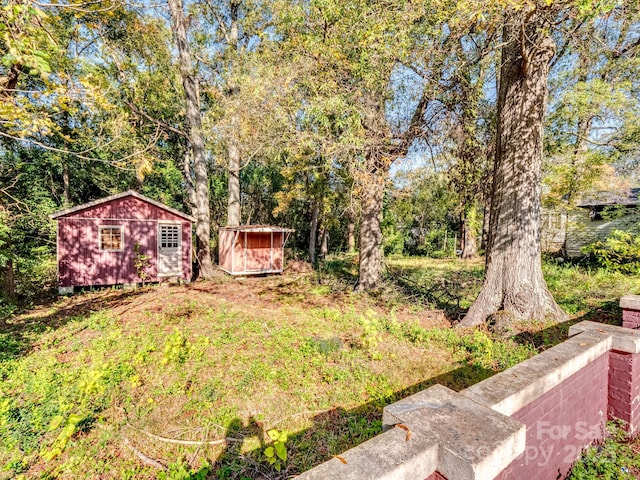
column 97, row 242
column 594, row 218
column 252, row 249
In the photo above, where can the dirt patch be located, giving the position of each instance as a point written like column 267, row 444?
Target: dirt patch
column 298, row 266
column 271, row 293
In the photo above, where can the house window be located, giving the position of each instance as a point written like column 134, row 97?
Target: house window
column 555, row 221
column 111, row 238
column 169, row 237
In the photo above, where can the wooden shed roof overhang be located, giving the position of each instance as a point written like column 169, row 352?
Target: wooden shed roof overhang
column 128, row 193
column 238, row 229
column 258, row 228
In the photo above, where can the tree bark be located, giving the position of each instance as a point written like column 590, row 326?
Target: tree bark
column 370, row 231
column 189, row 184
column 513, row 277
column 486, row 221
column 196, row 141
column 233, row 208
column 66, row 183
column 233, row 146
column 8, row 281
column 324, row 243
column 8, row 84
column 313, row 233
column 469, row 244
column 351, row 231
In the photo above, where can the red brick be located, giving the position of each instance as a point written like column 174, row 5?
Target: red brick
column 630, row 318
column 436, row 476
column 560, row 422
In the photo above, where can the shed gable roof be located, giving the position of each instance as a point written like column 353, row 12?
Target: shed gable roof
column 128, row 193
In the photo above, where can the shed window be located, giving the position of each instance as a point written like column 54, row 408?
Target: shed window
column 110, row 238
column 169, row 236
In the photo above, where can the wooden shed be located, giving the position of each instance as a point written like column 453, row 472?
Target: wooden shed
column 97, row 242
column 252, row 249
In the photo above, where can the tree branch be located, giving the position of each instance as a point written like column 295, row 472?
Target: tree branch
column 159, row 123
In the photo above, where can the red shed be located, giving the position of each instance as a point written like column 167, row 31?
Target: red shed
column 252, row 249
column 97, row 242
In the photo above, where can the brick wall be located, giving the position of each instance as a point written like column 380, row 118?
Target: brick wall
column 630, row 311
column 529, row 422
column 631, row 319
column 624, row 388
column 561, row 423
column 435, row 476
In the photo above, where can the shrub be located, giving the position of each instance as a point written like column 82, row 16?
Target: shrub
column 620, row 252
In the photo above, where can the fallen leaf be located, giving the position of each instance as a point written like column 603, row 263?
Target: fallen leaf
column 406, row 429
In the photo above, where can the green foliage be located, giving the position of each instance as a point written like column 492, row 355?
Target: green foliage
column 370, row 336
column 276, row 453
column 56, row 403
column 620, row 252
column 70, row 426
column 141, row 263
column 420, row 214
column 181, row 470
column 177, row 348
column 613, row 459
column 301, row 354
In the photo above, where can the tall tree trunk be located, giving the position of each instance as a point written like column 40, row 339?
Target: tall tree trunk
column 324, row 243
column 66, row 183
column 370, row 231
column 9, row 281
column 233, row 142
column 486, row 221
column 513, row 277
column 469, row 244
column 189, row 184
column 233, row 208
column 351, row 231
column 196, row 141
column 313, row 233
column 8, row 84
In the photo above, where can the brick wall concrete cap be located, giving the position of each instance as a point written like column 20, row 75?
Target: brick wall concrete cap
column 474, row 442
column 630, row 302
column 509, row 391
column 622, row 339
column 388, row 456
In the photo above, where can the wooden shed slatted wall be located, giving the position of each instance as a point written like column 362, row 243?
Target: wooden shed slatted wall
column 252, row 249
column 81, row 262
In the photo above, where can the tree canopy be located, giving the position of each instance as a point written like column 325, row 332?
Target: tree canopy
column 393, row 121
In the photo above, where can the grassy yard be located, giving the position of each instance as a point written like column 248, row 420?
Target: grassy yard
column 187, row 381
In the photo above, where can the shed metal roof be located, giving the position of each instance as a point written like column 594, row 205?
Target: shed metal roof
column 128, row 193
column 258, row 228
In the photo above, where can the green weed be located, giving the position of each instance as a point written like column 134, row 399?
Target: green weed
column 276, row 453
column 613, row 459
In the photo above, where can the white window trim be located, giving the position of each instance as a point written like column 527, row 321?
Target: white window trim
column 174, row 223
column 170, row 224
column 102, row 227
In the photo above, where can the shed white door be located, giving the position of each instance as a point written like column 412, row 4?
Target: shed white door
column 169, row 249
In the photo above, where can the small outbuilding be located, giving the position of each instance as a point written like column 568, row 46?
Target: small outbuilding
column 252, row 249
column 122, row 239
